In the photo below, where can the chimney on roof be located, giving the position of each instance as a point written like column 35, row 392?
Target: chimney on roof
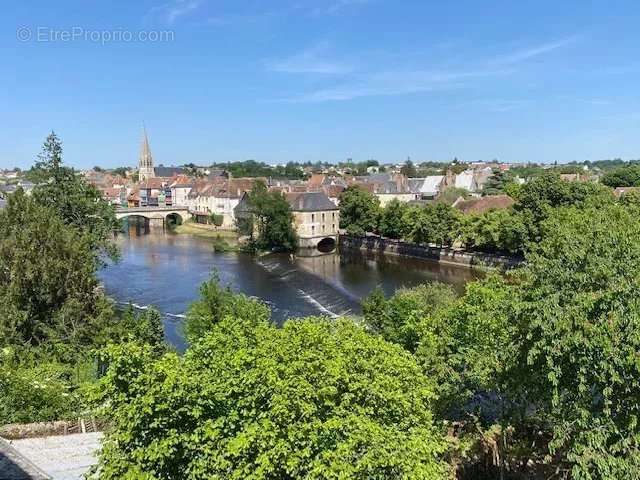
column 449, row 178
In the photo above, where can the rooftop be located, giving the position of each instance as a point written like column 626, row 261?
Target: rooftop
column 484, row 204
column 310, row 202
column 15, row 466
column 62, row 457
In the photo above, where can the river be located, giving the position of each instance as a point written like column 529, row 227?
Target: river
column 166, row 270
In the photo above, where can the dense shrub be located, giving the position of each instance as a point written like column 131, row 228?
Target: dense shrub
column 315, row 399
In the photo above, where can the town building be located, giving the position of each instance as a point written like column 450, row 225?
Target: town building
column 115, row 195
column 145, row 163
column 620, row 191
column 431, row 187
column 180, row 189
column 162, row 171
column 153, row 192
column 25, row 185
column 316, row 219
column 387, row 187
column 219, row 196
column 467, row 181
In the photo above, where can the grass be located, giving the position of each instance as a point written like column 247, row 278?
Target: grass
column 205, row 231
column 223, row 240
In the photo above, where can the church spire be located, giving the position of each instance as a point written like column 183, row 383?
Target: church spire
column 145, row 165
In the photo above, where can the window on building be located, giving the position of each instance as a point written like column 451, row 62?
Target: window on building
column 313, row 229
column 333, row 215
column 333, row 227
column 323, row 217
column 313, row 217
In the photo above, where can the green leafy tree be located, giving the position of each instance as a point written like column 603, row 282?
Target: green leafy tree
column 498, row 183
column 315, row 399
column 272, row 214
column 216, row 219
column 399, row 318
column 451, row 194
column 538, row 197
column 445, row 224
column 549, row 191
column 121, row 171
column 470, row 347
column 625, row 176
column 631, row 198
column 580, row 321
column 436, row 223
column 217, row 302
column 47, row 277
column 359, row 211
column 392, row 219
column 252, row 168
column 35, row 390
column 78, row 203
column 496, row 231
column 150, row 330
column 416, row 223
column 409, row 169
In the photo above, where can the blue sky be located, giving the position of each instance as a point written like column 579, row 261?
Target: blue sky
column 320, row 80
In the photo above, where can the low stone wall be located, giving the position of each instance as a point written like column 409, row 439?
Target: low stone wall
column 451, row 256
column 47, row 429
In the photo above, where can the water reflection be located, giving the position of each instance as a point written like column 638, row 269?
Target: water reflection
column 166, row 270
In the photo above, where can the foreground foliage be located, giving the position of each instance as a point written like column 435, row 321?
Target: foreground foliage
column 47, row 277
column 52, row 312
column 581, row 318
column 314, row 399
column 543, row 363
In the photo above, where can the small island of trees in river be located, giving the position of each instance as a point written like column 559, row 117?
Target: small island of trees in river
column 534, row 374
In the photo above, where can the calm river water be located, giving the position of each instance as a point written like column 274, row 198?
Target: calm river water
column 166, row 270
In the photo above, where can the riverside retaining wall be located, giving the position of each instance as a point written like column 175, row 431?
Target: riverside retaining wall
column 453, row 256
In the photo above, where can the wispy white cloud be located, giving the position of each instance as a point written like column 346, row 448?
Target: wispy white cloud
column 534, row 51
column 371, row 82
column 500, row 105
column 171, row 11
column 337, row 6
column 395, row 83
column 311, row 60
column 595, row 101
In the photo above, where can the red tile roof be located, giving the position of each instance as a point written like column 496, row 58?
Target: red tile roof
column 484, row 204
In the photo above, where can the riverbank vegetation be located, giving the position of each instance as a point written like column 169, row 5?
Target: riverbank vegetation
column 530, row 375
column 269, row 221
column 508, row 231
column 53, row 314
column 222, row 240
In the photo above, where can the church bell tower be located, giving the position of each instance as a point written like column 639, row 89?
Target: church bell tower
column 145, row 164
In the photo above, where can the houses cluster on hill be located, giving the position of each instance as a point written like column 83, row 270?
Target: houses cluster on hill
column 209, row 193
column 219, row 193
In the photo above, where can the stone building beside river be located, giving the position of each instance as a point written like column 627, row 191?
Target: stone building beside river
column 316, row 219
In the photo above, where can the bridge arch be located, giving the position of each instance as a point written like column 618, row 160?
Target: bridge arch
column 327, row 244
column 173, row 219
column 157, row 217
column 134, row 224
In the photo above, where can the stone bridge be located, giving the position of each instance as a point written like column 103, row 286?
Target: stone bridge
column 157, row 216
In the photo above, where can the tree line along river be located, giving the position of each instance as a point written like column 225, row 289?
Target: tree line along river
column 165, row 270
